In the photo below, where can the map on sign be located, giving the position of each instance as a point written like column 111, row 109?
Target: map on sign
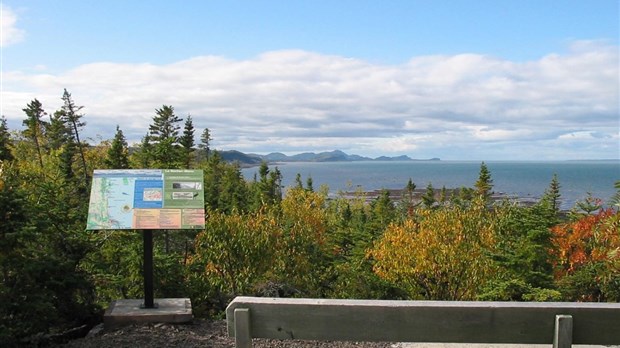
column 146, row 199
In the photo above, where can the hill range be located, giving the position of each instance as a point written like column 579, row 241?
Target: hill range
column 329, row 156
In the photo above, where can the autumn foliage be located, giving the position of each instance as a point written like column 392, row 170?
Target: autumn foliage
column 440, row 254
column 588, row 249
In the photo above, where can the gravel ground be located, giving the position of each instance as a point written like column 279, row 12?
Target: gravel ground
column 200, row 333
column 212, row 334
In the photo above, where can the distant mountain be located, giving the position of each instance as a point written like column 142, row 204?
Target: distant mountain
column 328, row 156
column 242, row 158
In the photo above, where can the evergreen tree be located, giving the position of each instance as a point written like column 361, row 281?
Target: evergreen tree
column 407, row 201
column 73, row 119
column 5, row 141
column 298, row 183
column 484, row 185
column 34, row 125
column 187, row 140
column 428, row 199
column 268, row 187
column 164, row 136
column 552, row 195
column 56, row 131
column 443, row 195
column 275, row 180
column 117, row 156
column 382, row 212
column 309, row 184
column 205, row 141
column 143, row 155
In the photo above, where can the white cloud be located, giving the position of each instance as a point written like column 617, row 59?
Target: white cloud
column 9, row 33
column 294, row 100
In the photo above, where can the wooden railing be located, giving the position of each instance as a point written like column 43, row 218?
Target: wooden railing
column 560, row 323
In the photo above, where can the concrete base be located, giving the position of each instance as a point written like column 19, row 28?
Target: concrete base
column 169, row 310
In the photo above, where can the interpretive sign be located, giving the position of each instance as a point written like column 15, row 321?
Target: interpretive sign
column 146, row 199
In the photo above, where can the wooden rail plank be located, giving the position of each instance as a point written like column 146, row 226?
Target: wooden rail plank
column 426, row 321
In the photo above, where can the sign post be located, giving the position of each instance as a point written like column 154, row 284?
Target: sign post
column 149, row 301
column 147, row 200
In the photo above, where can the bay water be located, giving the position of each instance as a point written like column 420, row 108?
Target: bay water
column 522, row 179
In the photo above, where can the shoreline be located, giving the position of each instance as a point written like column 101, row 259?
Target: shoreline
column 397, row 195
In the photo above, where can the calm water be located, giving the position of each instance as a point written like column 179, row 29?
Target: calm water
column 522, row 179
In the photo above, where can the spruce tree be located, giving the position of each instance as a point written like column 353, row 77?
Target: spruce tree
column 187, row 141
column 298, row 183
column 428, row 199
column 73, row 119
column 34, row 125
column 552, row 194
column 205, row 141
column 164, row 137
column 143, row 155
column 484, row 185
column 5, row 141
column 56, row 131
column 117, row 157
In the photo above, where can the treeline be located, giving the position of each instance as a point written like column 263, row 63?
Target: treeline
column 259, row 241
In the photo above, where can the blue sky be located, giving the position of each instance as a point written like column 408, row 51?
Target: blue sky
column 477, row 80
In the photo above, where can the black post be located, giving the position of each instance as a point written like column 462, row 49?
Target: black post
column 147, row 236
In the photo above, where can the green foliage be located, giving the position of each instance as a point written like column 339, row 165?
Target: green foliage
column 233, row 254
column 5, row 141
column 224, row 185
column 43, row 285
column 521, row 254
column 268, row 188
column 73, row 120
column 552, row 195
column 118, row 153
column 205, row 142
column 428, row 199
column 187, row 141
column 484, row 184
column 35, row 125
column 163, row 138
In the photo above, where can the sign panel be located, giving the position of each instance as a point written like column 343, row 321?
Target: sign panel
column 146, row 199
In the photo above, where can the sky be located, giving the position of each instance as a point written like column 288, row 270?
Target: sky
column 458, row 80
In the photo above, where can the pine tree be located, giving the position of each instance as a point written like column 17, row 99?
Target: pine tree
column 34, row 125
column 5, row 141
column 117, row 157
column 164, row 136
column 187, row 140
column 484, row 185
column 73, row 119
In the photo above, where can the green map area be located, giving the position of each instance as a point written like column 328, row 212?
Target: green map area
column 146, row 199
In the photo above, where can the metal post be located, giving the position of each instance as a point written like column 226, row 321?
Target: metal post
column 147, row 237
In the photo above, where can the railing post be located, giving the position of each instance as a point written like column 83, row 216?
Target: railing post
column 243, row 336
column 563, row 333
